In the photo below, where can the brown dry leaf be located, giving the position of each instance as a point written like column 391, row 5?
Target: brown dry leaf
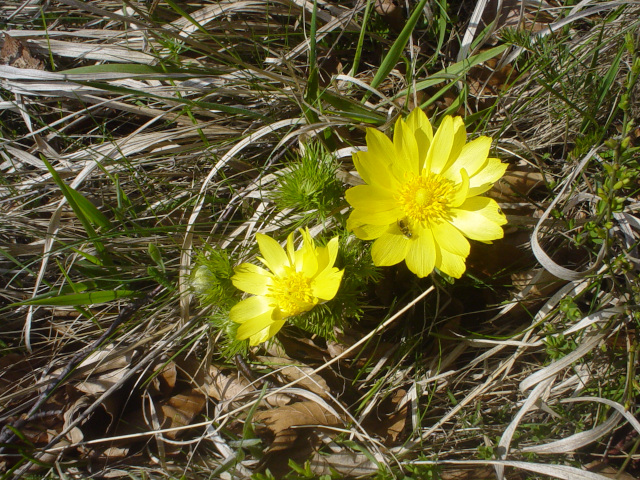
column 301, row 374
column 16, row 53
column 101, row 369
column 392, row 12
column 223, row 387
column 300, row 349
column 545, row 282
column 533, row 20
column 396, row 422
column 281, row 422
column 386, row 421
column 191, row 369
column 233, row 387
column 516, row 185
column 98, row 385
column 608, row 471
column 75, row 435
column 97, row 423
column 165, row 379
column 180, row 410
column 174, row 412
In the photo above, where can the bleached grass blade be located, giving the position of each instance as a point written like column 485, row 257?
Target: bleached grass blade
column 576, row 441
column 585, row 347
column 571, row 18
column 615, row 405
column 505, row 441
column 544, row 259
column 210, row 13
column 562, row 472
column 105, row 53
column 474, row 23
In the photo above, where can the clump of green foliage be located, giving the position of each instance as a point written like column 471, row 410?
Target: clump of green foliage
column 309, row 183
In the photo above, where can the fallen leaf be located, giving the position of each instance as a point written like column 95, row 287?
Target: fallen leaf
column 301, row 374
column 387, row 421
column 180, row 410
column 391, row 12
column 165, row 379
column 283, row 420
column 225, row 387
column 235, row 388
column 517, row 185
column 300, row 349
column 16, row 53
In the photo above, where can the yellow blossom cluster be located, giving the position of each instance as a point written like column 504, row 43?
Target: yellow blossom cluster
column 420, row 203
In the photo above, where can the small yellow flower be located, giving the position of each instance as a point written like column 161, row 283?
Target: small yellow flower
column 297, row 280
column 421, row 197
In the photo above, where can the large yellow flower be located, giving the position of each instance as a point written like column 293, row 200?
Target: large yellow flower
column 296, row 281
column 421, row 198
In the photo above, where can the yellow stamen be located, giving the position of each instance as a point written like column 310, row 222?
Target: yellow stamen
column 292, row 293
column 426, row 198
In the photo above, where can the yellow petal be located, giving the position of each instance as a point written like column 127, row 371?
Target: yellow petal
column 250, row 308
column 251, row 279
column 421, row 257
column 371, row 199
column 418, row 123
column 440, row 149
column 274, row 328
column 462, row 191
column 290, row 249
column 449, row 238
column 484, row 179
column 327, row 255
column 326, row 284
column 262, row 336
column 406, row 151
column 450, row 263
column 459, row 141
column 479, row 218
column 363, row 217
column 254, row 327
column 389, row 249
column 365, row 231
column 373, row 165
column 472, row 157
column 274, row 255
column 308, row 255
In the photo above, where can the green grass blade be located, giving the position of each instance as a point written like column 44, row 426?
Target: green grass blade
column 184, row 14
column 351, row 109
column 395, row 52
column 457, row 70
column 72, row 196
column 89, row 210
column 363, row 31
column 75, row 299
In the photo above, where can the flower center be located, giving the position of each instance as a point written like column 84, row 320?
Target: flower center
column 292, row 293
column 426, row 198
